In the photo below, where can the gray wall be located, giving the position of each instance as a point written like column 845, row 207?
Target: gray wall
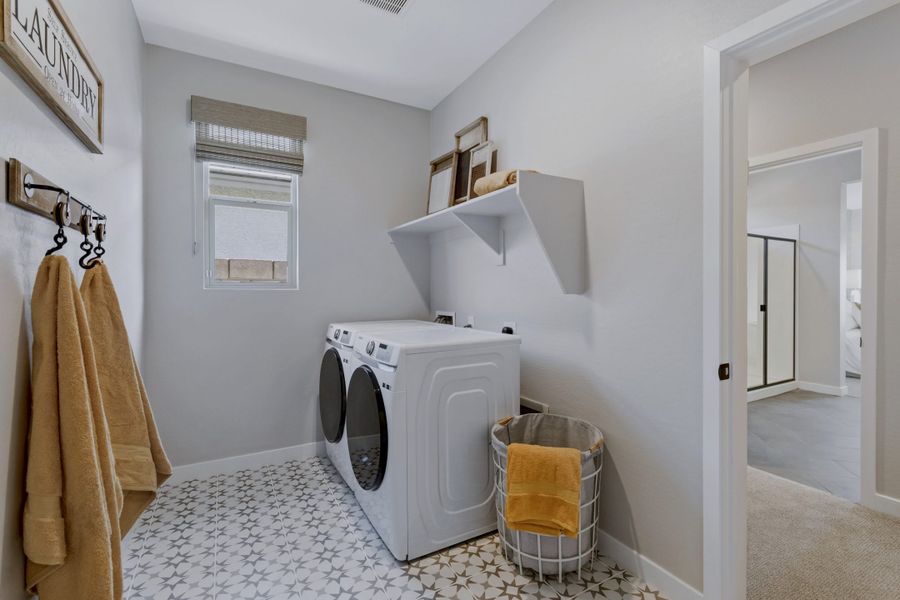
column 809, row 194
column 235, row 372
column 112, row 181
column 842, row 83
column 611, row 93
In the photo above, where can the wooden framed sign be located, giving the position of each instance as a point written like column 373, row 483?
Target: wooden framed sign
column 38, row 41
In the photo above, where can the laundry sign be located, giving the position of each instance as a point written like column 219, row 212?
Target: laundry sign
column 37, row 39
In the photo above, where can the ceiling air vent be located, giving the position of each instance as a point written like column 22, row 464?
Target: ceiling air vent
column 395, row 7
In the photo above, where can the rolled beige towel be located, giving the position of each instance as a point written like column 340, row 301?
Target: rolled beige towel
column 496, row 181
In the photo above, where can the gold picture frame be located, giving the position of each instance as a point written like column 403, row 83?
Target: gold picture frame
column 470, row 136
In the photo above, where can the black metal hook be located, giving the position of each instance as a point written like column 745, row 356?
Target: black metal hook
column 99, row 250
column 61, row 218
column 84, row 224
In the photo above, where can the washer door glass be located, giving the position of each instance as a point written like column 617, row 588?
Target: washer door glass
column 332, row 396
column 367, row 434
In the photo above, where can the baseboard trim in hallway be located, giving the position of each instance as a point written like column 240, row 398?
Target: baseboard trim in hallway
column 790, row 386
column 233, row 464
column 772, row 390
column 821, row 388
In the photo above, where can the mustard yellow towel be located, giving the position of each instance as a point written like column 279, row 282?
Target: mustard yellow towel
column 141, row 462
column 543, row 489
column 73, row 498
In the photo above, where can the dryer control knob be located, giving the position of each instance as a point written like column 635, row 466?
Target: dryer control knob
column 370, row 347
column 337, row 333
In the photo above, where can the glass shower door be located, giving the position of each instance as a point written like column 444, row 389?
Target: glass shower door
column 756, row 298
column 771, row 307
column 780, row 279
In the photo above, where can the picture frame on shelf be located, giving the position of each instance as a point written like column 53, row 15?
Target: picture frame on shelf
column 461, row 177
column 471, row 135
column 468, row 137
column 482, row 161
column 441, row 183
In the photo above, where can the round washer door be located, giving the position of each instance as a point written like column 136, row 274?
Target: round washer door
column 332, row 396
column 367, row 430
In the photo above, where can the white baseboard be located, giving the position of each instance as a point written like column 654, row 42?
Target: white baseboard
column 233, row 464
column 881, row 503
column 654, row 575
column 774, row 390
column 821, row 388
column 808, row 386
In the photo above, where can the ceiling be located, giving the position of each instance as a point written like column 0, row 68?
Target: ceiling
column 415, row 58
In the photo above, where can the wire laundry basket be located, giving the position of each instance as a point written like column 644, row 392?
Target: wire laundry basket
column 550, row 555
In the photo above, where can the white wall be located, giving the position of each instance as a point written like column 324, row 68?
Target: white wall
column 234, row 372
column 808, row 194
column 31, row 132
column 611, row 93
column 839, row 84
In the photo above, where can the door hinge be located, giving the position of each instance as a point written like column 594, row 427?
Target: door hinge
column 724, row 372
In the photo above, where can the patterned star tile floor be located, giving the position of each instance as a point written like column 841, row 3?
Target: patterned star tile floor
column 295, row 532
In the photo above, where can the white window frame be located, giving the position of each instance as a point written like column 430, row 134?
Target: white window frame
column 206, row 222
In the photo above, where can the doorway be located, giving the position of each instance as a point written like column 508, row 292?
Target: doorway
column 802, row 265
column 727, row 63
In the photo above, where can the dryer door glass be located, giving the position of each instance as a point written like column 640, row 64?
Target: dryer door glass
column 367, row 434
column 332, row 396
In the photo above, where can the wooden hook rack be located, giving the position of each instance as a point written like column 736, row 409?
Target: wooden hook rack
column 29, row 190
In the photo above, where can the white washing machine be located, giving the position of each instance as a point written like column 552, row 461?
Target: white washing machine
column 420, row 406
column 334, row 378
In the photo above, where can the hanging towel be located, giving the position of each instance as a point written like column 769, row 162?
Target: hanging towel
column 543, row 489
column 73, row 498
column 141, row 462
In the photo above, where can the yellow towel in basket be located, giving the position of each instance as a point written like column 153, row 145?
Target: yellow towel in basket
column 543, row 489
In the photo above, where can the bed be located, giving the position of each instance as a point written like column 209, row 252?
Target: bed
column 853, row 338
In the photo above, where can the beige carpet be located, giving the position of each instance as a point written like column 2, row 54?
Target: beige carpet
column 809, row 545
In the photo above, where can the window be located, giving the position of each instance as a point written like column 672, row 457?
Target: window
column 250, row 218
column 251, row 160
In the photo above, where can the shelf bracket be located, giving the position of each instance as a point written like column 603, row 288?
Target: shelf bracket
column 488, row 230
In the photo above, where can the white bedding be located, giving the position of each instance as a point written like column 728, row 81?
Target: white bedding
column 852, row 337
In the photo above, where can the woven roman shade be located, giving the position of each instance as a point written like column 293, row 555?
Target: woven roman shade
column 245, row 135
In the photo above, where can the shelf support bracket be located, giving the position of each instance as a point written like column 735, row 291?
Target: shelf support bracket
column 488, row 230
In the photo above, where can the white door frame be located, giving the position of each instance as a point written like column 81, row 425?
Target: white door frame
column 727, row 61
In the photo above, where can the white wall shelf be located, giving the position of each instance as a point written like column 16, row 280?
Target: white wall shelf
column 553, row 207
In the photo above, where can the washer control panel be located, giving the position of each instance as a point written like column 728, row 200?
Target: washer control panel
column 368, row 345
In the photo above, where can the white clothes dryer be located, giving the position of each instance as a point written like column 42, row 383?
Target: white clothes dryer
column 420, row 406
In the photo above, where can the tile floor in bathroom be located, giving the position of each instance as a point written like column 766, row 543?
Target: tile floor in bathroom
column 294, row 531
